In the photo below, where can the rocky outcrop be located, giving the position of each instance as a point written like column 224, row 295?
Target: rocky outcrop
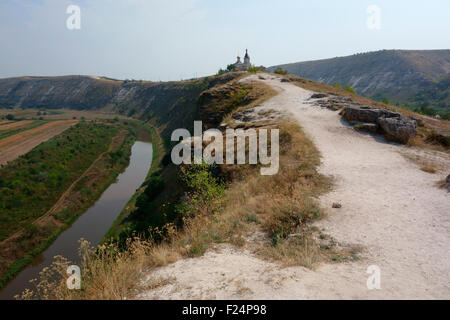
column 398, row 129
column 392, row 124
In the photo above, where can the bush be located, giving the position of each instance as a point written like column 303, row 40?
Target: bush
column 9, row 117
column 349, row 89
column 205, row 191
column 231, row 67
column 280, row 71
column 337, row 85
column 253, row 69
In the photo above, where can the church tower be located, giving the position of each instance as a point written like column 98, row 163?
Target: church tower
column 246, row 59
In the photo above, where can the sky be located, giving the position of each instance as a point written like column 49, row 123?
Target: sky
column 163, row 40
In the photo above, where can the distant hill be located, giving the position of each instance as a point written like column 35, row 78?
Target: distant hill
column 164, row 102
column 418, row 78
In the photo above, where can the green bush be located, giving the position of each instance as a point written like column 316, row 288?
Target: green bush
column 205, row 192
column 253, row 69
column 279, row 70
column 349, row 89
column 231, row 67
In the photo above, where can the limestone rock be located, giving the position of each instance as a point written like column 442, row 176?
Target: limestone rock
column 361, row 114
column 398, row 129
column 395, row 126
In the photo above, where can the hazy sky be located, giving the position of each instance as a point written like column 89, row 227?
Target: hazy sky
column 174, row 39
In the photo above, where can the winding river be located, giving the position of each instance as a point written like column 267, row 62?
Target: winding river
column 94, row 223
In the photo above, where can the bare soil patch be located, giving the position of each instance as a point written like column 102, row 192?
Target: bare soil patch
column 14, row 146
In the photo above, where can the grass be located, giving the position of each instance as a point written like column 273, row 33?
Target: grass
column 428, row 168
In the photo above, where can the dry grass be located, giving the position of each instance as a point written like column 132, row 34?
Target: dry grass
column 428, row 168
column 426, row 163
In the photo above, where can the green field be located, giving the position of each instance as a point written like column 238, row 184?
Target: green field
column 31, row 184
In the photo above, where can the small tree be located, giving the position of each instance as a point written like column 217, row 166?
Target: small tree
column 231, row 67
column 9, row 117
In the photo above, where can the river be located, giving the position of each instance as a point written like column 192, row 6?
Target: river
column 94, row 223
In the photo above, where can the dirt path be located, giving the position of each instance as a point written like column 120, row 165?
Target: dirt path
column 21, row 143
column 389, row 207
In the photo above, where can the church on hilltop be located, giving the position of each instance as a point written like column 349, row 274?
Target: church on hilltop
column 243, row 66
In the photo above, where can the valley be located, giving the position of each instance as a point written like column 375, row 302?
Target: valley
column 224, row 214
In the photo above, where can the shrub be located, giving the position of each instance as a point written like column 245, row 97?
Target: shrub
column 253, row 69
column 349, row 89
column 205, row 191
column 279, row 70
column 337, row 85
column 9, row 117
column 231, row 67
